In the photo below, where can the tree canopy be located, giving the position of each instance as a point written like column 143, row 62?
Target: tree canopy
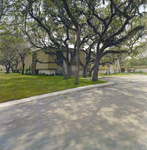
column 105, row 28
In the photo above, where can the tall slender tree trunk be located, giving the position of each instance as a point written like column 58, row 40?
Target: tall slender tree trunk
column 16, row 68
column 73, row 19
column 23, row 66
column 90, row 73
column 68, row 71
column 97, row 63
column 12, row 69
column 85, row 71
column 96, row 69
column 77, row 57
column 64, row 75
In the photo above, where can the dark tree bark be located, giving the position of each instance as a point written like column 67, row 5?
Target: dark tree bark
column 12, row 69
column 63, row 70
column 95, row 72
column 7, row 70
column 78, row 39
column 90, row 73
column 68, row 70
column 67, row 54
column 84, row 68
column 23, row 66
column 16, row 67
column 77, row 57
column 96, row 65
column 108, row 39
column 22, row 56
column 85, row 72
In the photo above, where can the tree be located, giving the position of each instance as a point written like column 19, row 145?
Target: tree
column 9, row 53
column 23, row 48
column 113, row 23
column 78, row 37
column 8, row 15
column 50, row 29
column 4, row 8
column 138, row 57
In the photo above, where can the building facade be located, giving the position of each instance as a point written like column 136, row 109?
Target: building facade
column 110, row 68
column 136, row 68
column 45, row 64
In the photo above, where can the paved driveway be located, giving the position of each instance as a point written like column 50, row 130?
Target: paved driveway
column 110, row 118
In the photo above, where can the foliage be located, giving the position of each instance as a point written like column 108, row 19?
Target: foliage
column 110, row 28
column 12, row 49
column 27, row 70
column 135, row 61
column 8, row 51
column 20, row 69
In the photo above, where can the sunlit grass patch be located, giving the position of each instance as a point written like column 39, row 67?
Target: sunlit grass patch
column 114, row 74
column 17, row 86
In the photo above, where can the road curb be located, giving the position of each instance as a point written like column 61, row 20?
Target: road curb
column 32, row 98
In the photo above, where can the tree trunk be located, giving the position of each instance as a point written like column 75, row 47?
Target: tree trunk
column 96, row 69
column 77, row 57
column 23, row 65
column 73, row 19
column 68, row 70
column 64, row 75
column 12, row 69
column 16, row 68
column 91, row 71
column 85, row 71
column 7, row 70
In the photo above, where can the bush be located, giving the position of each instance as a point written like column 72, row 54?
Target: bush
column 20, row 69
column 27, row 70
column 140, row 71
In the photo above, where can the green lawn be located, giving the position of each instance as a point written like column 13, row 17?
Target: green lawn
column 17, row 86
column 115, row 74
column 140, row 73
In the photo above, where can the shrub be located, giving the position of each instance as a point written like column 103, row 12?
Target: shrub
column 20, row 69
column 27, row 70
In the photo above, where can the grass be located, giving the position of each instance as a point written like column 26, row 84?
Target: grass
column 114, row 74
column 117, row 74
column 17, row 86
column 139, row 73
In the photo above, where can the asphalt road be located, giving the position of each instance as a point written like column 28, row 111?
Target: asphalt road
column 110, row 118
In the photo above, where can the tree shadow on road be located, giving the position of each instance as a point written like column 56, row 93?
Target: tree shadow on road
column 111, row 118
